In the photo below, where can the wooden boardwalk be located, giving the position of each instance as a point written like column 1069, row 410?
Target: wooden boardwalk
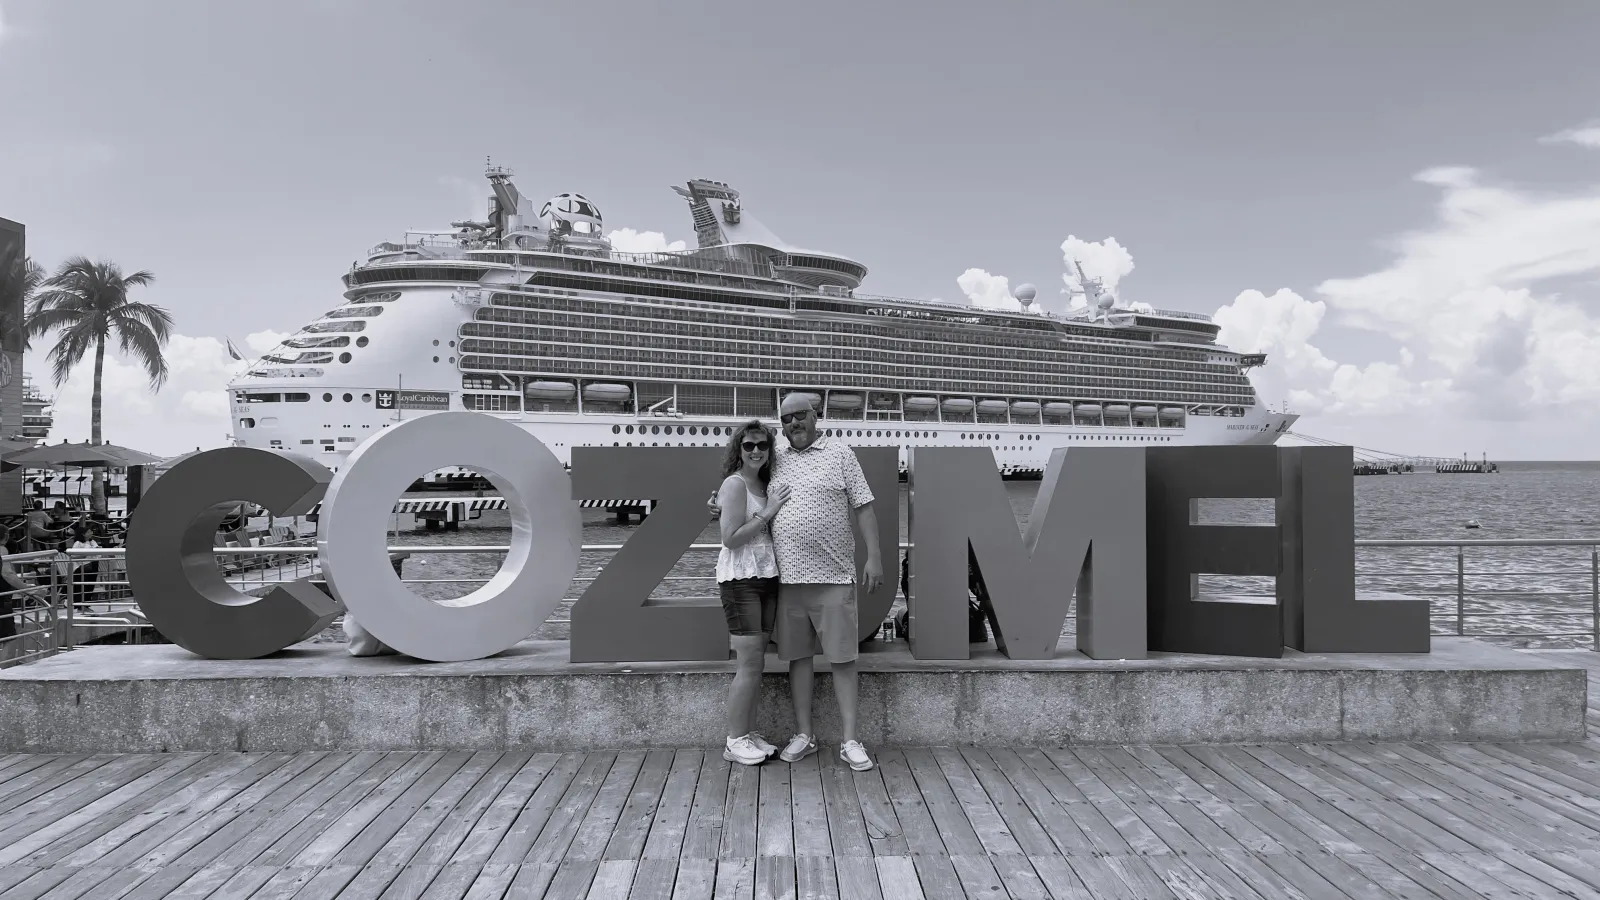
column 1141, row 823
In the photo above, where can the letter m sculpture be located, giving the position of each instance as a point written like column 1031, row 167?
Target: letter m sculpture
column 1086, row 536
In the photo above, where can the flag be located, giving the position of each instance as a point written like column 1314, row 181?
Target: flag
column 234, row 351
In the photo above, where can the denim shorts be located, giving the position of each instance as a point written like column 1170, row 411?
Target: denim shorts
column 750, row 605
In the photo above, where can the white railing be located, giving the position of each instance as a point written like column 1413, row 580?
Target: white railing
column 1546, row 592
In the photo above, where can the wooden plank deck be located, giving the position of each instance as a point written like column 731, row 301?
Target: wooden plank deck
column 1307, row 821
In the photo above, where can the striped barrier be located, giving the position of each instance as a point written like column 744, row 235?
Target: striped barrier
column 478, row 504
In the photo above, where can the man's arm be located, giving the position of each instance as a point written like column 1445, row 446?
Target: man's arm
column 867, row 521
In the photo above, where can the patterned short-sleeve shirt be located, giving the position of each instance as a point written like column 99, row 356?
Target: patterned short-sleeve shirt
column 813, row 532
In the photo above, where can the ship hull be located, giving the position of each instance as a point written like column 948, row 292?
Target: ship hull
column 1021, row 450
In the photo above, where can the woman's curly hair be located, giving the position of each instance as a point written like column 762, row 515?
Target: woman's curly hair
column 734, row 460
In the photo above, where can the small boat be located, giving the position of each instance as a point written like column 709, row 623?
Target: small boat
column 1024, row 408
column 1116, row 409
column 1473, row 523
column 1171, row 412
column 814, row 399
column 844, row 401
column 1058, row 409
column 921, row 404
column 958, row 405
column 993, row 407
column 607, row 393
column 550, row 390
column 1145, row 412
column 1088, row 409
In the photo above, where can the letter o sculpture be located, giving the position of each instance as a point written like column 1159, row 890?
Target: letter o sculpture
column 546, row 536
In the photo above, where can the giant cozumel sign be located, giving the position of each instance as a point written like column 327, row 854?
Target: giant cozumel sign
column 1115, row 526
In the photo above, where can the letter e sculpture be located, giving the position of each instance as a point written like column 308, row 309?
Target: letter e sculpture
column 1181, row 620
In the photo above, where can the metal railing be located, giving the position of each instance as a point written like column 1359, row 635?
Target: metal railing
column 1547, row 593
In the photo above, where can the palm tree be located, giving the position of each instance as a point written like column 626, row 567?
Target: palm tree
column 87, row 302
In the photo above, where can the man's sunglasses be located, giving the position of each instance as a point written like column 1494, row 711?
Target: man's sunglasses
column 786, row 418
column 752, row 446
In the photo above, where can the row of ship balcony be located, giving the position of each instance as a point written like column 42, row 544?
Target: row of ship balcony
column 554, row 396
column 418, row 247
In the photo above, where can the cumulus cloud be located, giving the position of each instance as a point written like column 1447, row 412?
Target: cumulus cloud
column 1475, row 300
column 1106, row 260
column 1282, row 325
column 190, row 411
column 626, row 240
column 1584, row 136
column 987, row 291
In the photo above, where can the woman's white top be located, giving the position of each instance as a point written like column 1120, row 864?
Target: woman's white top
column 753, row 559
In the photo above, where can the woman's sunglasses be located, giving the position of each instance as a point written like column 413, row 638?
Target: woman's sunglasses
column 752, row 446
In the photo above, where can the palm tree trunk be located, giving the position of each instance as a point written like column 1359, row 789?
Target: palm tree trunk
column 97, row 496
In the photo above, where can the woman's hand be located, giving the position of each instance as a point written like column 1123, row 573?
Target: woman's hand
column 713, row 507
column 777, row 495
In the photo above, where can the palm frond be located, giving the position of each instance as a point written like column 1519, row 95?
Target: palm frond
column 70, row 349
column 142, row 343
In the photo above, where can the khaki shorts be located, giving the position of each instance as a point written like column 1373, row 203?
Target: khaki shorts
column 817, row 619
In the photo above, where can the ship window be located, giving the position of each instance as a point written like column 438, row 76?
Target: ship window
column 307, row 441
column 344, row 357
column 334, row 327
column 436, row 359
column 616, row 429
column 263, row 398
column 348, row 398
column 297, row 398
column 247, row 423
column 362, row 341
column 354, row 312
column 327, row 398
column 366, row 398
column 308, row 343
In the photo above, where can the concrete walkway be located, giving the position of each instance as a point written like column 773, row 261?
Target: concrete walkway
column 1349, row 820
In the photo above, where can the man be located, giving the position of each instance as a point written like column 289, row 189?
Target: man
column 816, row 568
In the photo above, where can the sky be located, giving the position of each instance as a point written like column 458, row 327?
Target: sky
column 1398, row 203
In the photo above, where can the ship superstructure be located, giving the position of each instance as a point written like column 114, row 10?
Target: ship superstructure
column 37, row 419
column 535, row 318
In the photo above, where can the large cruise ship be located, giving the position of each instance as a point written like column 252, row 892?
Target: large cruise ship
column 534, row 318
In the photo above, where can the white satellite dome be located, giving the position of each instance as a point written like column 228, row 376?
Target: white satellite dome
column 1025, row 293
column 572, row 214
column 1106, row 300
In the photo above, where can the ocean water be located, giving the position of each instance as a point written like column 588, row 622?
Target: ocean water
column 1522, row 596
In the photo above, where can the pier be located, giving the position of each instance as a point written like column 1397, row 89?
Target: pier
column 1382, row 462
column 1333, row 820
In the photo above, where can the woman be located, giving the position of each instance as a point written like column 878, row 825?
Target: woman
column 747, row 578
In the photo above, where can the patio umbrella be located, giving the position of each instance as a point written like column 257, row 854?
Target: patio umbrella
column 83, row 456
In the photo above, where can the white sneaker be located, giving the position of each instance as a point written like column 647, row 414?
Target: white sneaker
column 800, row 747
column 855, row 755
column 760, row 740
column 743, row 752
